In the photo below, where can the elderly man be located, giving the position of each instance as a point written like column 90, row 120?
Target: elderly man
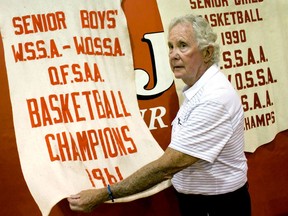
column 205, row 158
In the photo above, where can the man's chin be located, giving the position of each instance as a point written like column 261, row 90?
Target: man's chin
column 177, row 75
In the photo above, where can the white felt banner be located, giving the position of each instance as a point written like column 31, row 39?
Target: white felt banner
column 253, row 39
column 72, row 88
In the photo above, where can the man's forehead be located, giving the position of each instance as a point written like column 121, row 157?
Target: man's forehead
column 181, row 32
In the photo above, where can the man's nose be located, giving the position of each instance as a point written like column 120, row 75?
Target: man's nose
column 174, row 54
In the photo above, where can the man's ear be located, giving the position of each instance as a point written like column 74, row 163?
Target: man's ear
column 208, row 53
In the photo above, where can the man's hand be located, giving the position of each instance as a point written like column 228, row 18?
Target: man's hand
column 87, row 200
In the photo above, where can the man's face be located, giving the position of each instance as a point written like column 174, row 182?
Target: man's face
column 186, row 60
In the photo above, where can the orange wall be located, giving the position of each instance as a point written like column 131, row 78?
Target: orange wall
column 268, row 173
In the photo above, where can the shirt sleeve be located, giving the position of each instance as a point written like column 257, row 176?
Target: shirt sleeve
column 203, row 131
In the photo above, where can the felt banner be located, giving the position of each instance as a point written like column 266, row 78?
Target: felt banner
column 252, row 36
column 73, row 95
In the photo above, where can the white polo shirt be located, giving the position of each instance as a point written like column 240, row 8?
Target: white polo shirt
column 209, row 126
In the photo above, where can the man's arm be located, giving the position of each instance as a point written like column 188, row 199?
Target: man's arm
column 164, row 168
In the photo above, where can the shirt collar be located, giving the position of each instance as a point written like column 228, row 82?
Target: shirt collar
column 189, row 92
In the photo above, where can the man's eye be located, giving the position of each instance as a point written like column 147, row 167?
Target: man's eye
column 183, row 45
column 170, row 49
